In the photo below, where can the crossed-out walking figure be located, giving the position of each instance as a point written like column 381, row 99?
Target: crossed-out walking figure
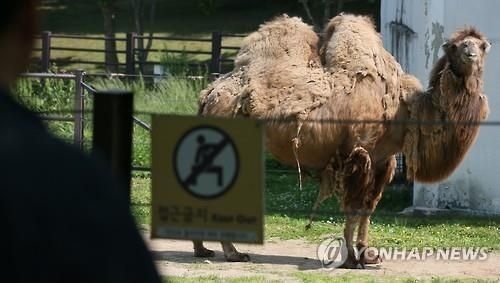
column 203, row 161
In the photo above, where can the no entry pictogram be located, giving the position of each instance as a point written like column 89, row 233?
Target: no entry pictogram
column 206, row 162
column 207, row 179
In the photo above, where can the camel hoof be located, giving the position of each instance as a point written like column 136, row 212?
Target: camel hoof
column 372, row 260
column 204, row 252
column 370, row 257
column 237, row 257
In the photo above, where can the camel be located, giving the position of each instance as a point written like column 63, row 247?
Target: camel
column 347, row 108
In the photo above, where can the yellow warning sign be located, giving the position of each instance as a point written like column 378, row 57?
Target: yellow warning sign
column 208, row 179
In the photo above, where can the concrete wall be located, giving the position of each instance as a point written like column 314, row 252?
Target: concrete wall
column 417, row 31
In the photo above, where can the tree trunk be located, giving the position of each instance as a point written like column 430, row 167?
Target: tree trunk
column 111, row 57
column 327, row 11
column 305, row 5
column 139, row 9
column 340, row 6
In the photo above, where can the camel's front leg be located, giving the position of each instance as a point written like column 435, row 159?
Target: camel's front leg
column 362, row 243
column 358, row 180
column 350, row 225
column 231, row 254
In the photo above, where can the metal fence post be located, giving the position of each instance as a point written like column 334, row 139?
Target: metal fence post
column 216, row 53
column 78, row 135
column 130, row 53
column 112, row 135
column 46, row 46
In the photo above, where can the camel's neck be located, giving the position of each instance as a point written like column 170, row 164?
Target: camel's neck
column 451, row 101
column 452, row 93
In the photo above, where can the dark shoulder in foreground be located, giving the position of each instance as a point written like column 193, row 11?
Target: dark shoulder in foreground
column 64, row 218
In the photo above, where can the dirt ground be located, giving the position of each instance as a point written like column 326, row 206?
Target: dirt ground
column 276, row 260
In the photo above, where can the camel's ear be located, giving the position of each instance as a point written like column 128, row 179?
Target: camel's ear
column 486, row 46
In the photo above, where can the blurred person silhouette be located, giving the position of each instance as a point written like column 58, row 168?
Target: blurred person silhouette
column 63, row 218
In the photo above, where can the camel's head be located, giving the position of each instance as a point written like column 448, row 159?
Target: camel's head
column 466, row 50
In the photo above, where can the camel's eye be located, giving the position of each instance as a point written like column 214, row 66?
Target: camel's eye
column 448, row 46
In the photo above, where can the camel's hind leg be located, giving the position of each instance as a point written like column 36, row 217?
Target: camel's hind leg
column 331, row 183
column 230, row 252
column 383, row 176
column 201, row 251
column 326, row 190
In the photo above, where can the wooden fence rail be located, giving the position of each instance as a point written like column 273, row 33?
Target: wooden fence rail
column 217, row 54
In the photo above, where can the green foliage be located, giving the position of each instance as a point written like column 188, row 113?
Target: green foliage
column 45, row 95
column 179, row 64
column 53, row 97
column 141, row 197
column 207, row 7
column 175, row 64
column 174, row 95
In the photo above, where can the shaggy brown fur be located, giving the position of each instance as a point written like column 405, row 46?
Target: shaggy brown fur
column 284, row 45
column 455, row 96
column 284, row 38
column 278, row 77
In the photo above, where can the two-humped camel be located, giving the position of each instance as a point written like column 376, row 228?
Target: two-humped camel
column 306, row 95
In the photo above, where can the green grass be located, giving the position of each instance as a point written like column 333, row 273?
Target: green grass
column 387, row 230
column 396, row 231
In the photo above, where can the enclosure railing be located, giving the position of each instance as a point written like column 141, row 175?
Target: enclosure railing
column 213, row 53
column 79, row 104
column 78, row 112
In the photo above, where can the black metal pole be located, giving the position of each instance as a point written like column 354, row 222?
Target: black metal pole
column 46, row 46
column 215, row 68
column 112, row 135
column 130, row 54
column 78, row 134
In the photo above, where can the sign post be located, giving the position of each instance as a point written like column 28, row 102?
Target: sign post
column 207, row 179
